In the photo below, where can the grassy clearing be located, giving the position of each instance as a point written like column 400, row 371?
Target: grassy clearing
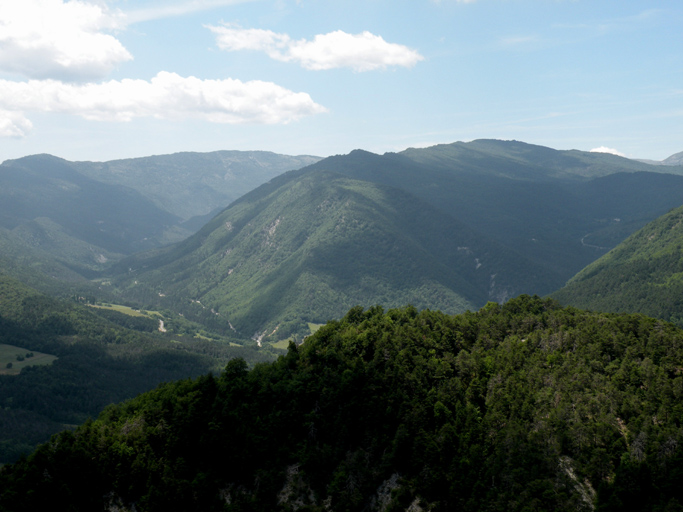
column 283, row 344
column 10, row 354
column 126, row 310
column 314, row 327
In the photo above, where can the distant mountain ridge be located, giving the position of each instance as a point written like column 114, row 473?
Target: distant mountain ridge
column 191, row 184
column 520, row 160
column 562, row 209
column 87, row 214
column 676, row 159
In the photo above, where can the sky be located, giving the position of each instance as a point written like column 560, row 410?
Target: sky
column 107, row 79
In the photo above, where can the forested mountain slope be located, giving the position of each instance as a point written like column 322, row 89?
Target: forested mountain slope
column 525, row 406
column 560, row 209
column 643, row 274
column 519, row 160
column 447, row 227
column 309, row 245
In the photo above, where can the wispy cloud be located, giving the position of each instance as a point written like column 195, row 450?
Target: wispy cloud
column 519, row 40
column 338, row 49
column 58, row 39
column 601, row 27
column 176, row 9
column 166, row 96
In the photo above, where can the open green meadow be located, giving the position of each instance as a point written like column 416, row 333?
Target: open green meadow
column 283, row 344
column 125, row 310
column 13, row 359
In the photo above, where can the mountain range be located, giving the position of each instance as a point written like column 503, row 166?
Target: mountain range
column 449, row 227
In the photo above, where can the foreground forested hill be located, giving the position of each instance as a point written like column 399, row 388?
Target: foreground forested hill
column 525, row 406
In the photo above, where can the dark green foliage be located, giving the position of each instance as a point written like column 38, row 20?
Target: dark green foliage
column 644, row 274
column 525, row 406
column 136, row 323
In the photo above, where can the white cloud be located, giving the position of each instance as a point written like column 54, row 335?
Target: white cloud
column 603, row 149
column 360, row 52
column 166, row 96
column 58, row 39
column 14, row 124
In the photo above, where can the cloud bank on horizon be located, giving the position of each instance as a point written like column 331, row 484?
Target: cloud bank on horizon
column 65, row 49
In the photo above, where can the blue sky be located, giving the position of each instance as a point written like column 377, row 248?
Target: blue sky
column 107, row 79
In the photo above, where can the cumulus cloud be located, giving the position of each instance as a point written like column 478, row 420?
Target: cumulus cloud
column 603, row 149
column 58, row 39
column 166, row 96
column 338, row 49
column 14, row 124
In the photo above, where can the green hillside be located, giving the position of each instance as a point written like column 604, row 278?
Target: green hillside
column 520, row 407
column 63, row 362
column 310, row 245
column 643, row 274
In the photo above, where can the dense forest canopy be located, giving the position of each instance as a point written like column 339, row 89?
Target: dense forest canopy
column 524, row 406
